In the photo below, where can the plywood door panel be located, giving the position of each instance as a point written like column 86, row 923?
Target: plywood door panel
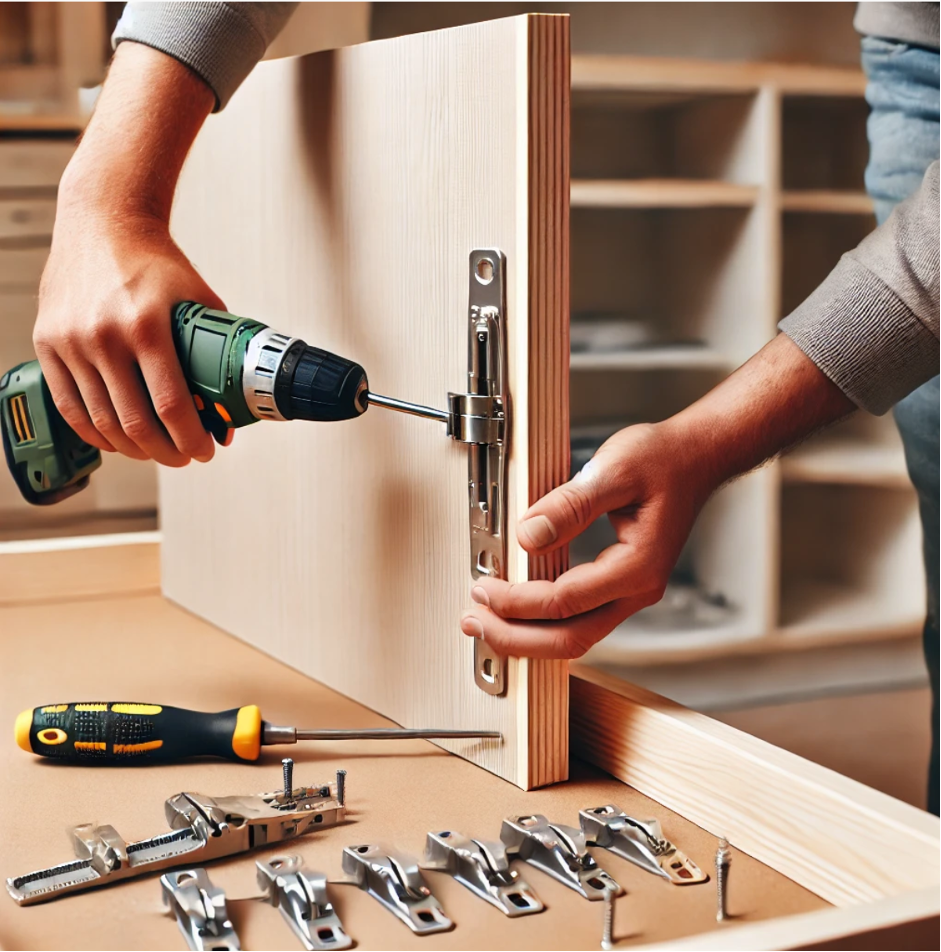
column 338, row 198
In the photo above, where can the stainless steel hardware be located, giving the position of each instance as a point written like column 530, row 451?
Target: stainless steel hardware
column 481, row 418
column 302, row 898
column 395, row 881
column 484, row 869
column 201, row 829
column 639, row 841
column 200, row 910
column 559, row 851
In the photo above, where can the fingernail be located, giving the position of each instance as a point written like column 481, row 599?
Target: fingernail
column 203, row 459
column 480, row 596
column 539, row 531
column 471, row 626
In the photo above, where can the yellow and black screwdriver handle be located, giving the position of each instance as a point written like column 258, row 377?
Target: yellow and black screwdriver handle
column 108, row 732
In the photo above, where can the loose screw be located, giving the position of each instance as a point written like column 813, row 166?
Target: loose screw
column 723, row 862
column 607, row 936
column 287, row 765
column 341, row 787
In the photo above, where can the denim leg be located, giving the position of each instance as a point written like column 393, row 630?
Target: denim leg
column 918, row 421
column 903, row 93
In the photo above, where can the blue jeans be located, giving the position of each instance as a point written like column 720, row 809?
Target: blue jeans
column 903, row 141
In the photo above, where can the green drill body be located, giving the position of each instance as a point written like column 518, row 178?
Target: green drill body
column 289, row 380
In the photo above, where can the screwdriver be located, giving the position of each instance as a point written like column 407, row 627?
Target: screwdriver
column 104, row 732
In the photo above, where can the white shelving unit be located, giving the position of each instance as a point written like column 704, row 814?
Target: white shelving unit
column 708, row 200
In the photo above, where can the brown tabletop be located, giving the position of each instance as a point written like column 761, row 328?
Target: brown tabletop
column 145, row 649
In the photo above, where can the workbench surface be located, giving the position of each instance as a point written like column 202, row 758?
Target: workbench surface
column 146, row 649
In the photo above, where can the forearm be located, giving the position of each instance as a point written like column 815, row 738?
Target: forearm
column 147, row 118
column 775, row 400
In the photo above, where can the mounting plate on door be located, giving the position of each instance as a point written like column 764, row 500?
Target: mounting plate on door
column 480, row 418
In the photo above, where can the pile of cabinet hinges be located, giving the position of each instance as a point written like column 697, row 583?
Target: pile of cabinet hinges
column 207, row 828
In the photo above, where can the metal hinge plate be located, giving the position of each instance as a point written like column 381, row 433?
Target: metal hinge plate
column 480, row 418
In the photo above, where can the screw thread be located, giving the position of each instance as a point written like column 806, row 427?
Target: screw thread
column 723, row 861
column 341, row 787
column 287, row 765
column 607, row 936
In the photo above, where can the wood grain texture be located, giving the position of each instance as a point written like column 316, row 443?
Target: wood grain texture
column 908, row 921
column 345, row 216
column 820, row 829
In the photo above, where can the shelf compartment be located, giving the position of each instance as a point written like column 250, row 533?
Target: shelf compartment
column 861, row 450
column 650, row 358
column 812, row 246
column 661, row 193
column 824, row 143
column 606, row 75
column 692, row 276
column 699, row 137
column 827, row 201
column 847, row 462
column 850, row 560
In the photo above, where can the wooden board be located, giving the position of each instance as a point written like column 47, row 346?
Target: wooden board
column 338, row 198
column 821, row 829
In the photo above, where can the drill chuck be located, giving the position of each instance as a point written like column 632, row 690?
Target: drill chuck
column 286, row 379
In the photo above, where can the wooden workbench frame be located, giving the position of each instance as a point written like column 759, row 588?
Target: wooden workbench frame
column 873, row 857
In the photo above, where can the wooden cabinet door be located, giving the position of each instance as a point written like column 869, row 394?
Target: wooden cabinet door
column 337, row 198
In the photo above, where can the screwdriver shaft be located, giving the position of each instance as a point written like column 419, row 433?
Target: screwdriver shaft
column 289, row 735
column 401, row 406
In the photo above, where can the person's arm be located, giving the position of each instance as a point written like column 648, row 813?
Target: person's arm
column 872, row 325
column 102, row 333
column 651, row 480
column 866, row 337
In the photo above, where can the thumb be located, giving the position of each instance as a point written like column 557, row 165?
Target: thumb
column 569, row 510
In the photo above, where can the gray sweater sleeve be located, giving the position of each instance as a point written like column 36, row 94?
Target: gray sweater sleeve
column 872, row 326
column 221, row 42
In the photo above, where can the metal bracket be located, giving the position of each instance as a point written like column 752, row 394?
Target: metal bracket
column 480, row 418
column 201, row 829
column 559, row 851
column 484, row 869
column 200, row 910
column 396, row 882
column 639, row 841
column 302, row 898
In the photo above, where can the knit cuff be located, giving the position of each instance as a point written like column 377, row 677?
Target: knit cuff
column 861, row 334
column 217, row 41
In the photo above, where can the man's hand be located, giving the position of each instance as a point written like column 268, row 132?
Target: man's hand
column 641, row 479
column 103, row 333
column 103, row 336
column 651, row 481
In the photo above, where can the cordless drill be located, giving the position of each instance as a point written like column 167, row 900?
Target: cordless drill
column 237, row 369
